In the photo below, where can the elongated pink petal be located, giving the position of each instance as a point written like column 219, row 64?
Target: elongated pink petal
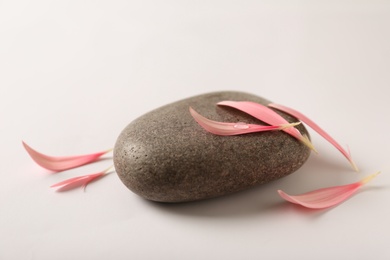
column 79, row 181
column 221, row 128
column 326, row 197
column 268, row 116
column 61, row 163
column 316, row 128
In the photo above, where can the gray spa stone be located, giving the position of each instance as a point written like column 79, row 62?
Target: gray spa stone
column 166, row 156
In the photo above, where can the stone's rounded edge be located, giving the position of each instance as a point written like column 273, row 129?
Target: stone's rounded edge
column 151, row 164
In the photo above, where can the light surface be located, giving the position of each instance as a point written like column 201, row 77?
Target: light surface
column 73, row 74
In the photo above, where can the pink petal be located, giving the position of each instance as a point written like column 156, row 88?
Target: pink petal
column 326, row 197
column 79, row 181
column 268, row 116
column 62, row 163
column 315, row 127
column 221, row 128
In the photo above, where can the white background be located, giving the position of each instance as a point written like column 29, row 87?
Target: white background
column 73, row 74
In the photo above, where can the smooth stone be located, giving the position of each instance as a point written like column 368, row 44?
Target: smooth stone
column 166, row 156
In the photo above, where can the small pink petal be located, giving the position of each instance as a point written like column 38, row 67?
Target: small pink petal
column 317, row 128
column 268, row 116
column 326, row 197
column 79, row 181
column 221, row 128
column 61, row 163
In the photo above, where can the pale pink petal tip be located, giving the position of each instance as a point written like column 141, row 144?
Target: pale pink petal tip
column 268, row 116
column 326, row 197
column 61, row 163
column 221, row 128
column 316, row 128
column 78, row 181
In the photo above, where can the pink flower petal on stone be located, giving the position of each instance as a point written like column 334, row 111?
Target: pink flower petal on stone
column 79, row 181
column 316, row 128
column 326, row 197
column 268, row 116
column 61, row 163
column 221, row 128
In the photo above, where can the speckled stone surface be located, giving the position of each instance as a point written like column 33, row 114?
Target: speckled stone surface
column 166, row 156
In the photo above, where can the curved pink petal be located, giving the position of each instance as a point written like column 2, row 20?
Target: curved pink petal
column 317, row 128
column 221, row 128
column 326, row 197
column 268, row 116
column 79, row 181
column 61, row 163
